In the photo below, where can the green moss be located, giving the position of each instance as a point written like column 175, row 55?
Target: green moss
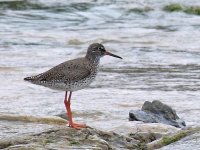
column 143, row 138
column 21, row 5
column 141, row 146
column 74, row 143
column 44, row 142
column 177, row 7
column 193, row 10
column 168, row 140
column 173, row 7
column 140, row 10
column 152, row 136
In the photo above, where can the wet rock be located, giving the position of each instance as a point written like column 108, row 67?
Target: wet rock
column 190, row 142
column 141, row 128
column 67, row 138
column 184, row 139
column 34, row 133
column 156, row 112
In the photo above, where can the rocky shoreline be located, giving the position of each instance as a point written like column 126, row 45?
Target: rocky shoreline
column 56, row 135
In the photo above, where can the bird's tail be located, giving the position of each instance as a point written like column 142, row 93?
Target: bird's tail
column 33, row 78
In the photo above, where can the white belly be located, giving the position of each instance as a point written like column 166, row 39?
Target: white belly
column 69, row 86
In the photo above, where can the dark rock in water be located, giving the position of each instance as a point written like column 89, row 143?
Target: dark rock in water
column 157, row 112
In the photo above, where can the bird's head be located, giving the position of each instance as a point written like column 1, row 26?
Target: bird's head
column 97, row 50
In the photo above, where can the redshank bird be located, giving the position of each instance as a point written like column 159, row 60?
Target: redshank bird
column 73, row 75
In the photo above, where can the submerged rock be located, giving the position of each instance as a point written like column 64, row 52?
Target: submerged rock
column 157, row 112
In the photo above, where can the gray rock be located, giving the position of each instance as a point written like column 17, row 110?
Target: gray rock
column 156, row 112
column 65, row 138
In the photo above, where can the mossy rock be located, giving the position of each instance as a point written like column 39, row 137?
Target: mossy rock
column 140, row 10
column 144, row 137
column 169, row 140
column 142, row 146
column 173, row 7
column 74, row 143
column 193, row 10
column 21, row 5
column 45, row 141
column 63, row 137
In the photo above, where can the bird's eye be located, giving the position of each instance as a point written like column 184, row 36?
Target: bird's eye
column 101, row 48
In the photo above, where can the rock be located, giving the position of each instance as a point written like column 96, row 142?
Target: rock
column 19, row 132
column 184, row 139
column 156, row 112
column 190, row 142
column 63, row 137
column 140, row 127
column 33, row 133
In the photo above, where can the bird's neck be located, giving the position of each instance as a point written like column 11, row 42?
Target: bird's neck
column 93, row 60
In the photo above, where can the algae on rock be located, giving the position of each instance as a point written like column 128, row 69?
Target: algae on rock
column 175, row 7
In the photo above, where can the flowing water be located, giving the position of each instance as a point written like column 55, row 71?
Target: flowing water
column 161, row 52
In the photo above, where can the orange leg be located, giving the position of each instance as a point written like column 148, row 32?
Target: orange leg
column 69, row 113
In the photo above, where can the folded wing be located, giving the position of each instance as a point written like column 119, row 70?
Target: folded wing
column 68, row 71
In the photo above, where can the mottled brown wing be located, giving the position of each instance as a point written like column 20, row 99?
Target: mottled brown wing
column 72, row 70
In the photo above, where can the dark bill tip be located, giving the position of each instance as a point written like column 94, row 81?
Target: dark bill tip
column 110, row 54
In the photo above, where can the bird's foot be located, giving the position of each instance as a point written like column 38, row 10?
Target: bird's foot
column 77, row 125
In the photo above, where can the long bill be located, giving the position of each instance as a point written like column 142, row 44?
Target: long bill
column 110, row 54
